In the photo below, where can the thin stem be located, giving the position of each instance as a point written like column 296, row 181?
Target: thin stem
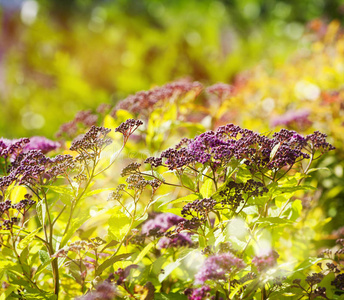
column 21, row 265
column 298, row 183
column 113, row 160
column 62, row 210
column 164, row 182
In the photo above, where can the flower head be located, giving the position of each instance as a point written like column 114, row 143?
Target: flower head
column 221, row 90
column 294, row 119
column 104, row 291
column 161, row 223
column 85, row 118
column 218, row 267
column 41, row 143
column 145, row 101
column 265, row 262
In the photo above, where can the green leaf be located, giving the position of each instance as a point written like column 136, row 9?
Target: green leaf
column 237, row 244
column 77, row 221
column 169, row 269
column 335, row 191
column 271, row 221
column 187, row 182
column 5, row 264
column 291, row 189
column 172, row 266
column 251, row 210
column 44, row 256
column 307, row 263
column 113, row 243
column 326, row 282
column 97, row 191
column 188, row 198
column 207, row 188
column 155, row 173
column 119, row 224
column 176, row 211
column 5, row 295
column 274, row 151
column 318, row 169
column 170, row 296
column 35, row 294
column 76, row 267
column 45, row 260
column 18, row 193
column 110, row 261
column 41, row 211
column 297, row 209
column 61, row 189
column 144, row 252
column 28, row 239
column 24, row 259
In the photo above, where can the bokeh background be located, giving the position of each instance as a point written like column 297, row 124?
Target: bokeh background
column 58, row 57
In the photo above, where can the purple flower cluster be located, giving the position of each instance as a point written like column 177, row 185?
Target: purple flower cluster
column 175, row 159
column 218, row 148
column 93, row 140
column 83, row 118
column 218, row 267
column 41, row 143
column 159, row 226
column 11, row 148
column 199, row 209
column 130, row 169
column 34, row 168
column 338, row 282
column 221, row 90
column 145, row 101
column 265, row 262
column 121, row 274
column 104, row 291
column 137, row 183
column 317, row 141
column 294, row 119
column 128, row 127
column 199, row 293
column 233, row 192
column 23, row 205
column 176, row 240
column 9, row 212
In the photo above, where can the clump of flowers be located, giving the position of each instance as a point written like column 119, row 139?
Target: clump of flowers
column 104, row 291
column 34, row 168
column 14, row 147
column 128, row 127
column 233, row 193
column 198, row 211
column 293, row 119
column 41, row 143
column 265, row 262
column 219, row 267
column 221, row 90
column 159, row 225
column 145, row 102
column 217, row 149
column 83, row 120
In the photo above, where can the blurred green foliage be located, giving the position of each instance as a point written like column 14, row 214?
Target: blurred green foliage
column 58, row 57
